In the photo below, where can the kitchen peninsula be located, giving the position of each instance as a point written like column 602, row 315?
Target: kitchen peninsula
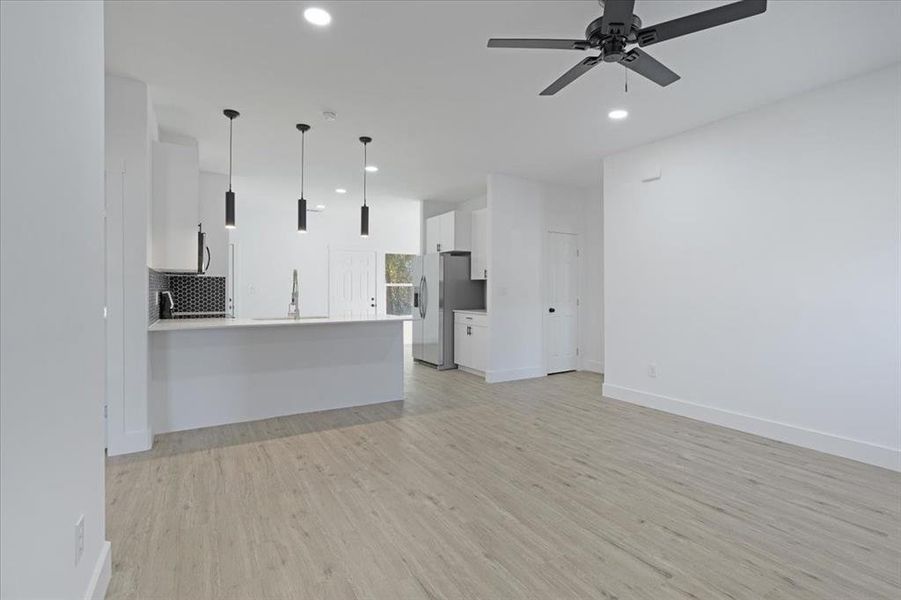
column 206, row 372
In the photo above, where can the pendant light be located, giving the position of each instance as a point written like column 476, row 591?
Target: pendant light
column 364, row 210
column 302, row 202
column 230, row 195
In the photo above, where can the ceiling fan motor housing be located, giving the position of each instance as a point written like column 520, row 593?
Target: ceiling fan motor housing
column 613, row 49
column 594, row 33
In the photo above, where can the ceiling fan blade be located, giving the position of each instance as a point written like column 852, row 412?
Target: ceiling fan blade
column 617, row 17
column 700, row 21
column 571, row 75
column 646, row 65
column 541, row 44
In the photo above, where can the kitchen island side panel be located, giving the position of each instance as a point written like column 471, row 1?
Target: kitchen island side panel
column 202, row 378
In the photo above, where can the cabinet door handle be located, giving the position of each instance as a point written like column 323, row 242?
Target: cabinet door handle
column 438, row 247
column 486, row 273
column 552, row 310
column 469, row 331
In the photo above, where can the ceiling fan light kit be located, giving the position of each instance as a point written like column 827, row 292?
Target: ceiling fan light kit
column 619, row 27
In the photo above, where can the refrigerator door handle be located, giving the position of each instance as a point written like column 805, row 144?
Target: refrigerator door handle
column 423, row 296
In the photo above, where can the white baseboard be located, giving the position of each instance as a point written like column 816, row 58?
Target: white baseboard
column 100, row 578
column 129, row 441
column 475, row 372
column 595, row 366
column 514, row 374
column 865, row 452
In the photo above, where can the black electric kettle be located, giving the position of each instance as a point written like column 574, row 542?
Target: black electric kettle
column 166, row 304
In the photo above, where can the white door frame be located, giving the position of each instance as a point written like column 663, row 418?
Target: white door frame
column 546, row 296
column 114, row 303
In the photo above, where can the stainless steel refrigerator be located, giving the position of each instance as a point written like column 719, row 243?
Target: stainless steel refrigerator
column 441, row 285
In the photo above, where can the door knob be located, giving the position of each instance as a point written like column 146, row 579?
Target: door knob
column 552, row 310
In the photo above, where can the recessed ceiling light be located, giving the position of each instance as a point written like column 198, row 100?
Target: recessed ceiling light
column 320, row 206
column 317, row 16
column 618, row 114
column 340, row 191
column 372, row 168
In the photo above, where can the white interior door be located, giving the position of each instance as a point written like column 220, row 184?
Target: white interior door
column 561, row 310
column 352, row 288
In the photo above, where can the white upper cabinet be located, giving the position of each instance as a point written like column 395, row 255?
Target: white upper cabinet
column 212, row 215
column 432, row 234
column 449, row 232
column 175, row 206
column 479, row 259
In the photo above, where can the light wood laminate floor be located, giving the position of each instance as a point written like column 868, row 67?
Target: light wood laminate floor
column 537, row 489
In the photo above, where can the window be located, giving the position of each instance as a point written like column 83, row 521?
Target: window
column 399, row 284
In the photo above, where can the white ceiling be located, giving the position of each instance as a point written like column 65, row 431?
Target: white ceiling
column 443, row 109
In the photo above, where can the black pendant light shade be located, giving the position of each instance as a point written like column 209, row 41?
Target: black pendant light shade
column 230, row 195
column 364, row 221
column 364, row 210
column 303, row 128
column 229, row 209
column 302, row 215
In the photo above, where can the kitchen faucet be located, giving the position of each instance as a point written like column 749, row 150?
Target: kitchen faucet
column 294, row 307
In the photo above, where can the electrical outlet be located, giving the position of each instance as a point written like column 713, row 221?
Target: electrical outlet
column 79, row 538
column 652, row 369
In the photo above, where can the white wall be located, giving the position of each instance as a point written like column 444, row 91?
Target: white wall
column 520, row 214
column 761, row 272
column 129, row 132
column 268, row 246
column 477, row 203
column 51, row 299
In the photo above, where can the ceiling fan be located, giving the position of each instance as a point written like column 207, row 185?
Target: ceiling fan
column 619, row 27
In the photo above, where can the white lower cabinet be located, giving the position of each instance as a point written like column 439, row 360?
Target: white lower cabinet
column 471, row 341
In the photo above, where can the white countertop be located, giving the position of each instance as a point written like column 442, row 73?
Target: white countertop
column 475, row 311
column 192, row 324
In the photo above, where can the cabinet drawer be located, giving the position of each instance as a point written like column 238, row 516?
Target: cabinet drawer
column 475, row 319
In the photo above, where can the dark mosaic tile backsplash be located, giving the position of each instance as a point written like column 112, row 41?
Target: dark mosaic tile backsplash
column 194, row 293
column 191, row 293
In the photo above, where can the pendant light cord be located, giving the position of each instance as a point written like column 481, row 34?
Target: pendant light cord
column 364, row 174
column 231, row 123
column 302, row 139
